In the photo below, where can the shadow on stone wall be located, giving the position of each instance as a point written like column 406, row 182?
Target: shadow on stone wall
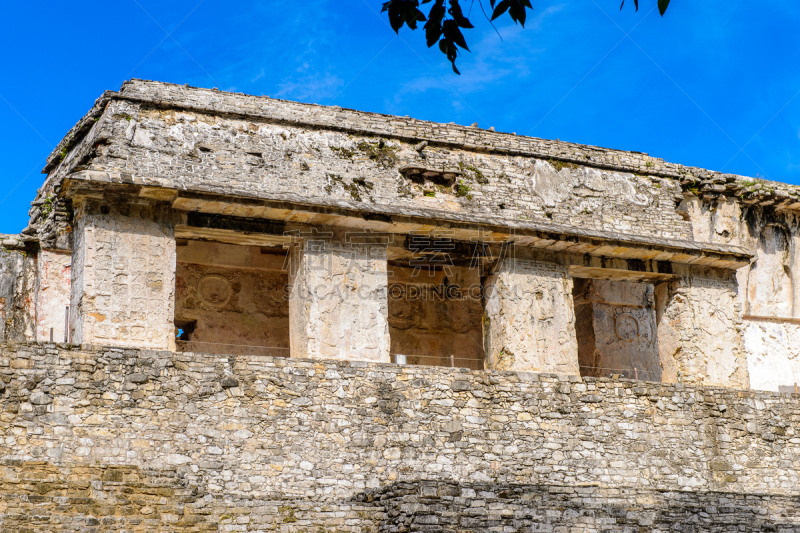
column 41, row 497
column 466, row 508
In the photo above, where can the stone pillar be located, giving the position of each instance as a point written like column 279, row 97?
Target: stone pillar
column 338, row 304
column 700, row 333
column 529, row 319
column 123, row 277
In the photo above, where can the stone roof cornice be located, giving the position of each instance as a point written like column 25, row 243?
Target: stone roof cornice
column 694, row 180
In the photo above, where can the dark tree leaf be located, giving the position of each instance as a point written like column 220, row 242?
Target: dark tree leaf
column 501, row 8
column 446, row 30
column 453, row 34
column 458, row 16
column 433, row 28
column 403, row 12
column 517, row 12
column 635, row 2
column 449, row 49
column 395, row 19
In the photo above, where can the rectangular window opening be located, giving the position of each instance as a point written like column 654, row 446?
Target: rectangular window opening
column 435, row 315
column 231, row 299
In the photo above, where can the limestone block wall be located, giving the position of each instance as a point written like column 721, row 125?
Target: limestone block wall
column 529, row 318
column 123, row 277
column 139, row 440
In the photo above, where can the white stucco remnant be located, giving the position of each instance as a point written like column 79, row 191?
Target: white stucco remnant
column 773, row 355
column 591, row 185
column 53, row 295
column 529, row 319
column 338, row 305
column 769, row 291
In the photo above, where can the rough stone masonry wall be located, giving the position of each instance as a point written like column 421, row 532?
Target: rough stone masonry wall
column 136, row 440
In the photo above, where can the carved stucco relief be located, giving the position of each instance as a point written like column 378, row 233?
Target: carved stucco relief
column 617, row 333
column 701, row 330
column 339, row 303
column 529, row 318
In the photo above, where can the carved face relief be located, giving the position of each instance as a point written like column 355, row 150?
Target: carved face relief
column 627, row 327
column 543, row 302
column 214, row 290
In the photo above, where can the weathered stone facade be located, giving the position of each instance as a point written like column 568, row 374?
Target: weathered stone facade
column 296, row 267
column 338, row 305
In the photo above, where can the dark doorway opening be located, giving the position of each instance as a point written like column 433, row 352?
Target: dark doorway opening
column 616, row 329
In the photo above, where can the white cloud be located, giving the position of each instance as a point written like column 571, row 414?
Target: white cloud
column 259, row 75
column 312, row 87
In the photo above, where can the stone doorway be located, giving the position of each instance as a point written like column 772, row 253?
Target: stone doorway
column 616, row 329
column 231, row 299
column 435, row 315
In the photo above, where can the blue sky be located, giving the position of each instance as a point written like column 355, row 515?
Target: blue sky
column 712, row 84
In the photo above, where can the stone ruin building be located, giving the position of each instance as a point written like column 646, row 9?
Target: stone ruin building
column 237, row 313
